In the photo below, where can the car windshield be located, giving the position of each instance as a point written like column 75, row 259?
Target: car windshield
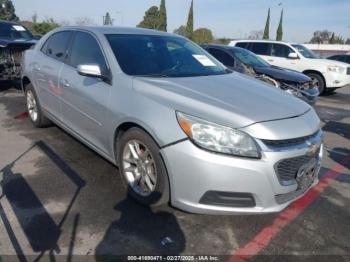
column 14, row 32
column 305, row 51
column 162, row 56
column 249, row 58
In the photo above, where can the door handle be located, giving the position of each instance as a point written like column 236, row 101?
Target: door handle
column 270, row 60
column 65, row 83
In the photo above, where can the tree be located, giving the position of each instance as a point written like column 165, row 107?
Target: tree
column 180, row 31
column 203, row 36
column 267, row 27
column 279, row 35
column 162, row 23
column 321, row 37
column 222, row 41
column 84, row 21
column 332, row 39
column 189, row 26
column 151, row 18
column 7, row 11
column 256, row 35
column 45, row 26
column 347, row 41
column 107, row 20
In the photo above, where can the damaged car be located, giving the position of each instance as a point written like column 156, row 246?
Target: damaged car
column 14, row 39
column 246, row 62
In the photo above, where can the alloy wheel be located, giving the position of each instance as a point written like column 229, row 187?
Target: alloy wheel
column 32, row 106
column 139, row 168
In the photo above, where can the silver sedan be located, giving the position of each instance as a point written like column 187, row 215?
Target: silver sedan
column 181, row 127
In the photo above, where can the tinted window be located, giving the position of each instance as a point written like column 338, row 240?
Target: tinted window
column 347, row 59
column 86, row 50
column 281, row 50
column 242, row 44
column 223, row 57
column 248, row 58
column 162, row 56
column 56, row 45
column 14, row 32
column 260, row 48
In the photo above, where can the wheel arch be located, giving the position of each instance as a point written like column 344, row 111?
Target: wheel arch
column 306, row 72
column 25, row 81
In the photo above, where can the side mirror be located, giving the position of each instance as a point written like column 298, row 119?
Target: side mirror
column 90, row 70
column 293, row 56
column 93, row 70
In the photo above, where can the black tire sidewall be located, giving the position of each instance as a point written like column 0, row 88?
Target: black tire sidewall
column 322, row 88
column 160, row 196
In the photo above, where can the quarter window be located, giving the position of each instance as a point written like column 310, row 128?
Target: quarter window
column 86, row 50
column 56, row 45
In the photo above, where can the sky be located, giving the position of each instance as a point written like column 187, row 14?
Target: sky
column 226, row 18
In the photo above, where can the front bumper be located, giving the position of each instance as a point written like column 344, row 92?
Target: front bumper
column 194, row 172
column 336, row 80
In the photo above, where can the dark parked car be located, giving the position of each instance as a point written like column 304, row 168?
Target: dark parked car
column 244, row 61
column 14, row 39
column 341, row 58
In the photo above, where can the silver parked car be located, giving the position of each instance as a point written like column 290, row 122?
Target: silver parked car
column 180, row 126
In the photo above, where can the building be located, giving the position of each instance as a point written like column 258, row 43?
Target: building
column 326, row 50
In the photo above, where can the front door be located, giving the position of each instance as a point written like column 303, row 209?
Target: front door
column 85, row 99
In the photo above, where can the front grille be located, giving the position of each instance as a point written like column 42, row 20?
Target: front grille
column 287, row 169
column 289, row 142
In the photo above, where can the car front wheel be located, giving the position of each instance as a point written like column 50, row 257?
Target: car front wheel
column 142, row 168
column 318, row 82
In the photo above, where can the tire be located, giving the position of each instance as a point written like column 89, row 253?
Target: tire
column 148, row 169
column 35, row 112
column 319, row 79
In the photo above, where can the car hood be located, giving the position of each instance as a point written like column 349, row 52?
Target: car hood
column 233, row 100
column 282, row 74
column 328, row 62
column 13, row 43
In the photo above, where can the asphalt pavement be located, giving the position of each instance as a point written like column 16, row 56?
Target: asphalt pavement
column 59, row 199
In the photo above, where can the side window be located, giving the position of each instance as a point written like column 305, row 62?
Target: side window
column 260, row 48
column 279, row 50
column 86, row 50
column 223, row 57
column 56, row 45
column 242, row 44
column 347, row 59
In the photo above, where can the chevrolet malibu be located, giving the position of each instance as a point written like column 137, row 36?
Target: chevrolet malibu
column 180, row 126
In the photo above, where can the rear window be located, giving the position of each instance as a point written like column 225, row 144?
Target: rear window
column 14, row 32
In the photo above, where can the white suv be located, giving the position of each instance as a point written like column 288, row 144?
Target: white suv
column 327, row 75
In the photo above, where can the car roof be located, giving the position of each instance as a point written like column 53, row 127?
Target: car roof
column 116, row 30
column 222, row 47
column 262, row 41
column 8, row 22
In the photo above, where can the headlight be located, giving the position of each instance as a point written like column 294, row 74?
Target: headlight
column 218, row 138
column 336, row 69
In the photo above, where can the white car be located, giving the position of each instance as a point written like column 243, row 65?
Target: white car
column 327, row 75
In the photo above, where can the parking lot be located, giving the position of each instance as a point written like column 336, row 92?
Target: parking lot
column 60, row 199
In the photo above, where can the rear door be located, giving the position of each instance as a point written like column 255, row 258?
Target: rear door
column 47, row 67
column 85, row 99
column 262, row 49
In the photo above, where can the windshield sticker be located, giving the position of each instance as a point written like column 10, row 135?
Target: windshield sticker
column 204, row 60
column 19, row 28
